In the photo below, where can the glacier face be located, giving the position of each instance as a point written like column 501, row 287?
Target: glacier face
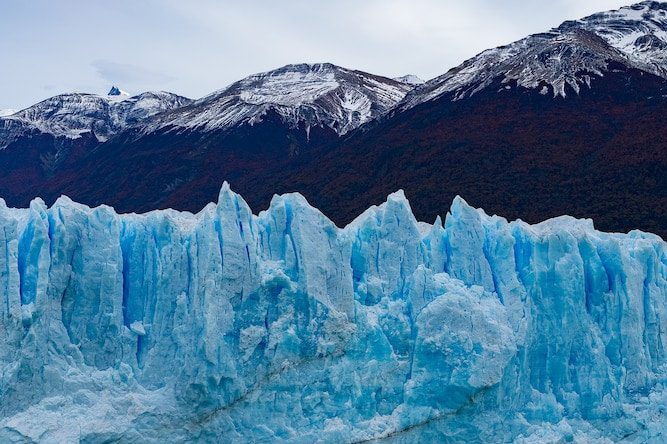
column 230, row 327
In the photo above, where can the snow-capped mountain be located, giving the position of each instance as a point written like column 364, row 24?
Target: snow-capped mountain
column 322, row 95
column 70, row 115
column 318, row 95
column 410, row 79
column 565, row 59
column 6, row 112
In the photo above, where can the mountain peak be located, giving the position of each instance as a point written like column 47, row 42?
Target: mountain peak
column 115, row 91
column 410, row 79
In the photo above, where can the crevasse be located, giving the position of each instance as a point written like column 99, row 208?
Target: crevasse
column 229, row 327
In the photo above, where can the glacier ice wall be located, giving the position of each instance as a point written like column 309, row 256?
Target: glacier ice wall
column 230, row 327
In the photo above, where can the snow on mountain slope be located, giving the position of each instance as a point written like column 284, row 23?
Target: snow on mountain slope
column 281, row 327
column 638, row 31
column 70, row 115
column 321, row 95
column 6, row 112
column 570, row 56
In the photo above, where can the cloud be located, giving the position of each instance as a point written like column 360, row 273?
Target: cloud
column 129, row 75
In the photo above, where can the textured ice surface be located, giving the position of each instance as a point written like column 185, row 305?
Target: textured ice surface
column 229, row 327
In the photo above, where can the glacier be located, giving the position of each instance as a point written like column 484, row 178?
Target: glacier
column 225, row 326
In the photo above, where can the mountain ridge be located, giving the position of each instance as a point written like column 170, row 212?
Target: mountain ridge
column 320, row 94
column 70, row 115
column 569, row 56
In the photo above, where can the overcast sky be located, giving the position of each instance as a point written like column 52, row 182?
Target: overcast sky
column 194, row 47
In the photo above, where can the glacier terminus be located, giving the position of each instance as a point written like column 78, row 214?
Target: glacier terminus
column 225, row 326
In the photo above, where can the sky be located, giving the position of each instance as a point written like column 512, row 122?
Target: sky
column 195, row 47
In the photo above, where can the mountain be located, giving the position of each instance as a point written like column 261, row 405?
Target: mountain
column 40, row 143
column 559, row 123
column 325, row 96
column 71, row 115
column 264, row 121
column 6, row 112
column 565, row 59
column 282, row 327
column 319, row 95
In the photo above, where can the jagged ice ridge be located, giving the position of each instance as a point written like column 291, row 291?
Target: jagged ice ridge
column 230, row 327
